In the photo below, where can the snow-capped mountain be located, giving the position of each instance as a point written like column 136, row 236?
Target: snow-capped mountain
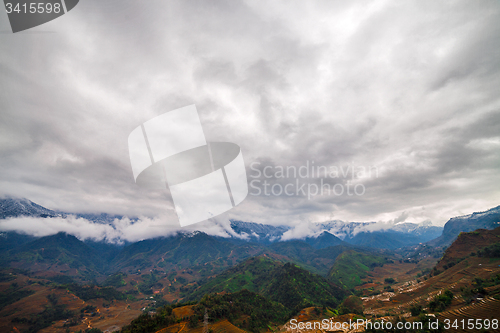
column 257, row 232
column 13, row 207
column 489, row 219
column 320, row 235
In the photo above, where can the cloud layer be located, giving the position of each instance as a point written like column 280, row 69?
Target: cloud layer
column 408, row 87
column 117, row 231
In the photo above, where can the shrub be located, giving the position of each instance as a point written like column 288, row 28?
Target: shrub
column 416, row 310
column 492, row 251
column 441, row 302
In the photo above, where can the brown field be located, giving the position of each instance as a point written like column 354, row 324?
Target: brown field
column 183, row 311
column 223, row 326
column 113, row 317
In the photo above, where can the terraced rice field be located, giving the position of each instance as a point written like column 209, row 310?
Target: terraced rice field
column 488, row 308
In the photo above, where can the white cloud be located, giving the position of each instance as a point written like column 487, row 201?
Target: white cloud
column 117, row 231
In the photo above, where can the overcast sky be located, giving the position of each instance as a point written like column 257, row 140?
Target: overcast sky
column 409, row 89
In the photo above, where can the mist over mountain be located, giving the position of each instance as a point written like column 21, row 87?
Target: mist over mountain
column 322, row 235
column 26, row 217
column 258, row 232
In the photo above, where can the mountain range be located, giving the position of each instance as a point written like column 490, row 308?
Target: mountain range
column 367, row 234
column 321, row 235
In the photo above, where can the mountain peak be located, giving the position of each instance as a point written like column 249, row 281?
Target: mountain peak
column 324, row 239
column 263, row 233
column 13, row 207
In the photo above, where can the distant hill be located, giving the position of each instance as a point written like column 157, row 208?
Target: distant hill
column 10, row 240
column 58, row 253
column 287, row 284
column 317, row 261
column 196, row 249
column 383, row 240
column 392, row 239
column 489, row 219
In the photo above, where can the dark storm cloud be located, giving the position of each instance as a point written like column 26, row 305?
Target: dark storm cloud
column 408, row 88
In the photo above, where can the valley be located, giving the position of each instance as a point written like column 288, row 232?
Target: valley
column 59, row 283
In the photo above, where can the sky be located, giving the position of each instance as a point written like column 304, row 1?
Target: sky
column 395, row 103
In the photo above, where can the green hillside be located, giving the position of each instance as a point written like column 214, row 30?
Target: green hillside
column 297, row 288
column 351, row 266
column 251, row 275
column 287, row 284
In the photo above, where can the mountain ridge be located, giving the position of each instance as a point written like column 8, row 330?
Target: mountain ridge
column 322, row 235
column 489, row 219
